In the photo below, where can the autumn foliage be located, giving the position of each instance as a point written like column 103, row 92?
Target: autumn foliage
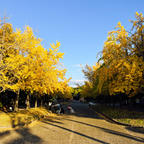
column 121, row 66
column 26, row 65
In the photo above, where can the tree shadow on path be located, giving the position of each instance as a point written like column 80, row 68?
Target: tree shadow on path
column 136, row 129
column 26, row 137
column 111, row 131
column 3, row 134
column 94, row 139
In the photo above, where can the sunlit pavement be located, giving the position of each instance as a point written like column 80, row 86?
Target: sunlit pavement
column 82, row 127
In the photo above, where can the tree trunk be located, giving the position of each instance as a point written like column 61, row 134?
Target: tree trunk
column 41, row 102
column 36, row 102
column 16, row 102
column 28, row 102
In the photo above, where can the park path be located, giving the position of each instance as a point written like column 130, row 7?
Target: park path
column 83, row 127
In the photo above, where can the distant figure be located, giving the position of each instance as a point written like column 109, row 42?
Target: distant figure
column 57, row 108
column 62, row 110
column 71, row 110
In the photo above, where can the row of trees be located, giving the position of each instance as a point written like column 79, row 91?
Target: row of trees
column 120, row 69
column 25, row 65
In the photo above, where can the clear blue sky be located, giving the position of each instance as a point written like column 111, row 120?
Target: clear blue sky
column 80, row 25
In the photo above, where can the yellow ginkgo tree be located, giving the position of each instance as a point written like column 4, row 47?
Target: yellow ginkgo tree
column 26, row 65
column 121, row 67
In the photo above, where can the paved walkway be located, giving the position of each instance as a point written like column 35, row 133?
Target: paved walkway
column 84, row 127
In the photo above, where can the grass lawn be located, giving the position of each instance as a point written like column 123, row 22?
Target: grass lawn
column 133, row 118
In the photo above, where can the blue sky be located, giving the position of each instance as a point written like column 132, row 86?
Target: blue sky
column 80, row 25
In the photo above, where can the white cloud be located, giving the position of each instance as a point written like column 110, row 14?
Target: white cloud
column 73, row 83
column 77, row 81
